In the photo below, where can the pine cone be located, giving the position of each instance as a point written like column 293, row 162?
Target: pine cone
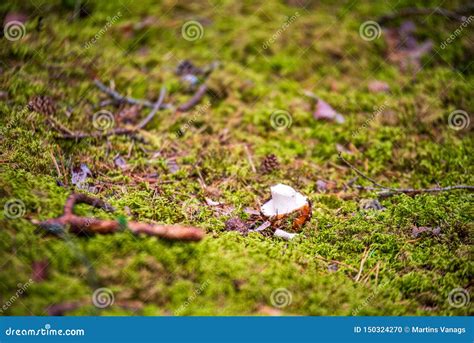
column 269, row 163
column 42, row 104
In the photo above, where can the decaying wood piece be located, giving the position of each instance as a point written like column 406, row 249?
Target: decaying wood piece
column 86, row 225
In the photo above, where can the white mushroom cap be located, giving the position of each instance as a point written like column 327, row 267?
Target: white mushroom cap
column 284, row 200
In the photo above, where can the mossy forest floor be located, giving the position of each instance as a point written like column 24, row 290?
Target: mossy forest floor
column 400, row 138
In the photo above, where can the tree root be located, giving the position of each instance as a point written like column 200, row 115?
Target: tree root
column 86, row 225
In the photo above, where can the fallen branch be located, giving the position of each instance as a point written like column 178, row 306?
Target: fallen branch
column 121, row 98
column 385, row 192
column 413, row 11
column 153, row 111
column 388, row 192
column 86, row 225
column 195, row 99
column 120, row 131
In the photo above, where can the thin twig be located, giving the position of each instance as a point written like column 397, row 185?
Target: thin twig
column 55, row 164
column 377, row 274
column 249, row 157
column 365, row 255
column 194, row 100
column 155, row 109
column 367, row 277
column 361, row 173
column 121, row 98
column 390, row 191
column 58, row 126
column 121, row 131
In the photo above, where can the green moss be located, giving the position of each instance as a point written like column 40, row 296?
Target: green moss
column 407, row 144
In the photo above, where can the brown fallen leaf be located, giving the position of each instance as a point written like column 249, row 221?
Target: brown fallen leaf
column 377, row 86
column 324, row 111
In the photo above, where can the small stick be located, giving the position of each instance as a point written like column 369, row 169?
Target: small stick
column 57, row 125
column 377, row 274
column 201, row 179
column 121, row 98
column 122, row 131
column 393, row 191
column 152, row 113
column 367, row 277
column 360, row 173
column 55, row 164
column 249, row 157
column 103, row 226
column 389, row 191
column 195, row 99
column 362, row 262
